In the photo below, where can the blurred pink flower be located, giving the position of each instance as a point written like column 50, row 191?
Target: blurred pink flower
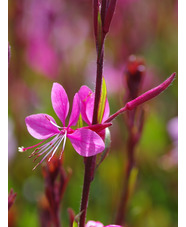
column 170, row 159
column 98, row 224
column 12, row 142
column 37, row 26
column 172, row 128
column 85, row 141
column 173, row 132
column 112, row 75
column 42, row 57
column 49, row 34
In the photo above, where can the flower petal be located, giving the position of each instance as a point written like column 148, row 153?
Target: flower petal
column 75, row 111
column 90, row 108
column 60, row 102
column 40, row 127
column 87, row 103
column 86, row 142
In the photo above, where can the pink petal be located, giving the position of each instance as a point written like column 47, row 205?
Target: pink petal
column 90, row 108
column 40, row 127
column 86, row 142
column 87, row 103
column 60, row 102
column 75, row 111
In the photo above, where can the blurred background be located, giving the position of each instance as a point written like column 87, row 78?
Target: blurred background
column 53, row 41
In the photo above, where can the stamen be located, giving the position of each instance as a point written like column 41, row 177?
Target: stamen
column 56, row 148
column 21, row 149
column 64, row 142
column 45, row 155
column 47, row 146
column 33, row 153
column 53, row 123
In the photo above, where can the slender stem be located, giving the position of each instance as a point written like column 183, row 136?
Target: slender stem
column 91, row 161
column 54, row 209
column 57, row 219
column 113, row 116
column 88, row 177
column 120, row 217
column 98, row 88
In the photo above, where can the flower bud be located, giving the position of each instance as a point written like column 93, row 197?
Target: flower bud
column 133, row 75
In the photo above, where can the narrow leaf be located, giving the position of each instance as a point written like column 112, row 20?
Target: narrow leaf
column 80, row 122
column 132, row 180
column 75, row 224
column 102, row 101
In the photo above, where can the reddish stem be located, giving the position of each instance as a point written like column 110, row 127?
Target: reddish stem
column 88, row 177
column 121, row 213
column 91, row 161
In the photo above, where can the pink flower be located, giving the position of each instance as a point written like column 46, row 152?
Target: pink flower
column 85, row 140
column 99, row 224
column 87, row 97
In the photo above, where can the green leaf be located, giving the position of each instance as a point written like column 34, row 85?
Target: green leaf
column 75, row 224
column 132, row 180
column 102, row 101
column 80, row 122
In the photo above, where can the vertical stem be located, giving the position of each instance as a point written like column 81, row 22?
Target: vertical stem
column 88, row 177
column 98, row 87
column 91, row 161
column 55, row 212
column 57, row 220
column 120, row 217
